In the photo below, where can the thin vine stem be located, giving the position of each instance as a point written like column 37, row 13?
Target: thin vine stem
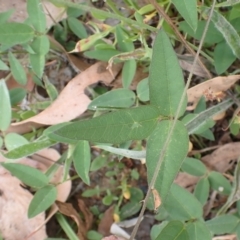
column 152, row 183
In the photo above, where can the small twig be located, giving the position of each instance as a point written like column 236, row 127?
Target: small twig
column 162, row 154
column 204, row 150
column 179, row 35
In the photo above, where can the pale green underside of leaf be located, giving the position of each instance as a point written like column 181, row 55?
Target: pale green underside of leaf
column 36, row 15
column 82, row 160
column 188, row 10
column 15, row 33
column 28, row 175
column 173, row 157
column 40, row 45
column 115, row 127
column 5, row 106
column 42, row 200
column 28, row 149
column 166, row 83
column 228, row 31
column 204, row 116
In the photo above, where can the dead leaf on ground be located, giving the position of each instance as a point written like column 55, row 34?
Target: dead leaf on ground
column 106, row 222
column 83, row 226
column 186, row 180
column 71, row 102
column 223, row 158
column 214, row 85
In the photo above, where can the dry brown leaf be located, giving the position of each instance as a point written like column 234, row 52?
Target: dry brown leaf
column 113, row 237
column 68, row 210
column 215, row 85
column 223, row 158
column 71, row 102
column 186, row 180
column 88, row 216
column 106, row 222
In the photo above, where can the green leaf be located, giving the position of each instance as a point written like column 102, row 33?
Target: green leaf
column 122, row 40
column 3, row 66
column 221, row 63
column 101, row 54
column 17, row 95
column 15, row 33
column 82, row 160
column 77, row 27
column 156, row 229
column 143, row 90
column 28, row 175
column 115, row 127
column 17, row 69
column 219, row 183
column 124, row 152
column 173, row 230
column 128, row 72
column 229, row 33
column 118, row 98
column 94, row 235
column 213, row 35
column 129, row 209
column 165, row 85
column 107, row 200
column 42, row 200
column 36, row 15
column 4, row 16
column 40, row 45
column 188, row 10
column 98, row 163
column 223, row 224
column 194, row 167
column 29, row 149
column 37, row 62
column 198, row 230
column 182, row 205
column 5, row 106
column 199, row 120
column 201, row 190
column 172, row 158
column 14, row 140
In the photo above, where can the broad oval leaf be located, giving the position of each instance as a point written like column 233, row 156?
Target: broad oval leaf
column 219, row 183
column 77, row 27
column 198, row 230
column 36, row 15
column 166, row 83
column 15, row 33
column 37, row 62
column 5, row 106
column 173, row 230
column 188, row 10
column 28, row 149
column 28, row 175
column 115, row 127
column 42, row 200
column 82, row 160
column 17, row 95
column 223, row 224
column 3, row 66
column 229, row 33
column 143, row 90
column 128, row 72
column 17, row 69
column 14, row 140
column 122, row 40
column 221, row 64
column 118, row 98
column 173, row 158
column 194, row 167
column 40, row 45
column 182, row 205
column 201, row 190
